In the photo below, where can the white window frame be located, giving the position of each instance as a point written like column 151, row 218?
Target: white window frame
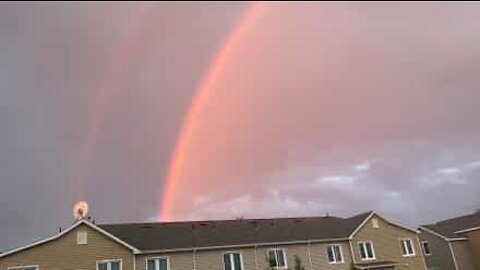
column 232, row 264
column 79, row 237
column 375, row 223
column 365, row 250
column 423, row 248
column 110, row 260
column 335, row 257
column 156, row 258
column 23, row 267
column 284, row 257
column 403, row 243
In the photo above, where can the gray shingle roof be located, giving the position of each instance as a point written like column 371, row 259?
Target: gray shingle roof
column 447, row 228
column 178, row 235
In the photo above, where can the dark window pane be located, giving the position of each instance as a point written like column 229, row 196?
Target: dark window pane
column 409, row 247
column 163, row 264
column 237, row 262
column 271, row 258
column 226, row 262
column 362, row 250
column 369, row 250
column 151, row 265
column 330, row 256
column 115, row 265
column 402, row 244
column 280, row 258
column 338, row 254
column 426, row 248
column 102, row 266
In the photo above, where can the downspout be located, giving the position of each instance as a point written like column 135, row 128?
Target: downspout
column 421, row 252
column 255, row 257
column 453, row 255
column 134, row 261
column 194, row 251
column 352, row 254
column 310, row 254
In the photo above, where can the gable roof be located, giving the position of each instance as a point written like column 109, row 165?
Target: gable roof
column 243, row 232
column 448, row 229
column 367, row 216
column 75, row 225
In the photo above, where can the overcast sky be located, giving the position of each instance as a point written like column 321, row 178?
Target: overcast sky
column 321, row 108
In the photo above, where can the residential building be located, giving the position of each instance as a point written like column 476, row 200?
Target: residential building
column 452, row 244
column 365, row 241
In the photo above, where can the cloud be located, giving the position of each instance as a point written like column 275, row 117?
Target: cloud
column 362, row 167
column 449, row 171
column 339, row 180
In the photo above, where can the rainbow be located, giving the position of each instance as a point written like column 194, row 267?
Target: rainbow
column 202, row 93
column 116, row 68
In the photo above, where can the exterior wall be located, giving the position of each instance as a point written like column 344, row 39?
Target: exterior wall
column 386, row 244
column 474, row 243
column 441, row 256
column 64, row 253
column 178, row 260
column 463, row 255
column 319, row 257
column 212, row 259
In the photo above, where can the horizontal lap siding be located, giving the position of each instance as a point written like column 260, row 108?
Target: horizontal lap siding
column 319, row 257
column 463, row 255
column 178, row 261
column 65, row 254
column 441, row 256
column 474, row 243
column 386, row 244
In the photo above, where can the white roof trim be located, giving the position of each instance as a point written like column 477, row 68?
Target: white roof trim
column 361, row 225
column 441, row 236
column 468, row 230
column 76, row 224
column 387, row 221
column 337, row 240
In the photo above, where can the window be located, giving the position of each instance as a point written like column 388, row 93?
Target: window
column 426, row 248
column 366, row 250
column 109, row 265
column 407, row 247
column 30, row 267
column 157, row 263
column 334, row 254
column 232, row 261
column 375, row 223
column 277, row 258
column 81, row 238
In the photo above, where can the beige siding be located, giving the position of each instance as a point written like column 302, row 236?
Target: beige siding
column 178, row 260
column 212, row 259
column 65, row 254
column 463, row 255
column 386, row 244
column 441, row 256
column 474, row 243
column 320, row 261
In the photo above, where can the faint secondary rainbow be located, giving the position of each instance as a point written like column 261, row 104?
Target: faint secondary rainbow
column 116, row 66
column 252, row 12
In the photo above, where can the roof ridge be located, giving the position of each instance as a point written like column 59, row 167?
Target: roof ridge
column 244, row 220
column 452, row 220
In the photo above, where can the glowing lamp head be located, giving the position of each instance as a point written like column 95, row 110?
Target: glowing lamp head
column 80, row 210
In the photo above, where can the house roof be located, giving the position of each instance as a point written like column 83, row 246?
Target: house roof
column 75, row 225
column 207, row 234
column 448, row 228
